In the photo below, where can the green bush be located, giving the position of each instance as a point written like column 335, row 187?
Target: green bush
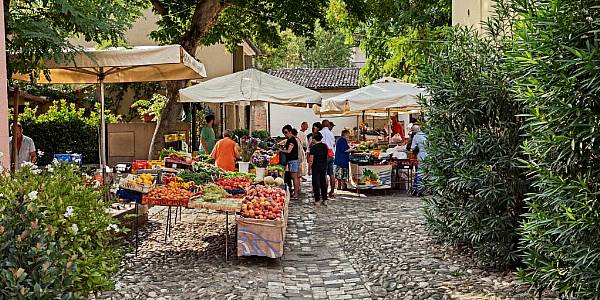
column 56, row 240
column 239, row 133
column 556, row 60
column 262, row 135
column 63, row 129
column 473, row 146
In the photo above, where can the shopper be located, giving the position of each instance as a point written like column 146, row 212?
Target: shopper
column 225, row 152
column 304, row 142
column 329, row 140
column 25, row 148
column 316, row 127
column 342, row 160
column 301, row 158
column 291, row 150
column 207, row 135
column 318, row 164
column 419, row 146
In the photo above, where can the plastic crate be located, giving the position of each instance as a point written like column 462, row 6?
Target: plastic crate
column 129, row 195
column 70, row 158
column 157, row 163
column 139, row 165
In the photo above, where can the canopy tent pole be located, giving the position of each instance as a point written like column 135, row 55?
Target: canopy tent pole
column 357, row 128
column 194, row 127
column 390, row 126
column 102, row 126
column 269, row 117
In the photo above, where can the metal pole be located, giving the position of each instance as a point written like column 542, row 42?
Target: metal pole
column 269, row 117
column 102, row 126
column 194, row 127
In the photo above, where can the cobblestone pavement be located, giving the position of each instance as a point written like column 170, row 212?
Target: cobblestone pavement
column 373, row 247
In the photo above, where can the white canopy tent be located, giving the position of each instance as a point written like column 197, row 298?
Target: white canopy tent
column 385, row 94
column 247, row 86
column 119, row 65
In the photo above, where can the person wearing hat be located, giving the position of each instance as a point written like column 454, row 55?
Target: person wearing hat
column 329, row 140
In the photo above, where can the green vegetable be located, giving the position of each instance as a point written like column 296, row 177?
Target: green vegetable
column 238, row 174
column 198, row 178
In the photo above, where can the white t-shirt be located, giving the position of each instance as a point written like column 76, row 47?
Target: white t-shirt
column 328, row 138
column 24, row 155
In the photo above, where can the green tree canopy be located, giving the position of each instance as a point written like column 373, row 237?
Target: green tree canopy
column 328, row 49
column 394, row 34
column 40, row 30
column 192, row 23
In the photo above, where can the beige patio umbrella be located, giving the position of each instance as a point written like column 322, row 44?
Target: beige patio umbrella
column 120, row 65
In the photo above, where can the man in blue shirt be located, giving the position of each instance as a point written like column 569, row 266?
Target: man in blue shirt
column 342, row 160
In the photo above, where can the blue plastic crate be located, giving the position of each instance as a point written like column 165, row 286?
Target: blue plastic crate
column 131, row 196
column 70, row 158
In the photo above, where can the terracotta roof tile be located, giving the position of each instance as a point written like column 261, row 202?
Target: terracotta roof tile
column 325, row 78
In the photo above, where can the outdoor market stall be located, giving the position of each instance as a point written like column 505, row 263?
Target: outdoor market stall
column 262, row 204
column 380, row 162
column 118, row 65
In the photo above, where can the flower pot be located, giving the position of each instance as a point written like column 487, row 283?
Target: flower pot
column 244, row 166
column 260, row 172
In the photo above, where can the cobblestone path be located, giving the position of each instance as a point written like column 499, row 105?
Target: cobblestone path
column 374, row 247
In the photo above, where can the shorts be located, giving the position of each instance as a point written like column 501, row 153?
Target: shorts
column 293, row 166
column 342, row 173
column 330, row 167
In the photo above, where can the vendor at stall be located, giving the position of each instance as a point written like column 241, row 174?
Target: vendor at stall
column 397, row 129
column 225, row 152
column 207, row 135
column 342, row 160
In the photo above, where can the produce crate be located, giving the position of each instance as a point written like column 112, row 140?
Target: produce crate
column 139, row 165
column 262, row 237
column 164, row 202
column 135, row 186
column 176, row 164
column 70, row 158
column 157, row 163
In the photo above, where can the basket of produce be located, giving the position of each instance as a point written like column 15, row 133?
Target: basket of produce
column 142, row 183
column 262, row 222
column 168, row 196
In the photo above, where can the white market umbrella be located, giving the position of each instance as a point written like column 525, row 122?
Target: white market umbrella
column 120, row 65
column 247, row 86
column 385, row 94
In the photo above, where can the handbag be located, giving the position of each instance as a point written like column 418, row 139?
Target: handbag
column 282, row 158
column 330, row 153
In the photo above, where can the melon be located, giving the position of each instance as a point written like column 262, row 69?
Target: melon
column 269, row 180
column 279, row 181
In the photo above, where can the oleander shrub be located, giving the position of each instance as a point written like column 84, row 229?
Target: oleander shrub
column 556, row 59
column 64, row 128
column 473, row 146
column 56, row 239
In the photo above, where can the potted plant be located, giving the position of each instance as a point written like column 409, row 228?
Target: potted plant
column 149, row 110
column 248, row 145
column 260, row 160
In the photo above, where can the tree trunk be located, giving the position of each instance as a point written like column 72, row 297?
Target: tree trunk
column 204, row 18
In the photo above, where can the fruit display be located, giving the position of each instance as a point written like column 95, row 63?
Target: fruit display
column 212, row 192
column 168, row 196
column 234, row 183
column 366, row 146
column 275, row 193
column 269, row 180
column 147, row 179
column 260, row 207
column 177, row 182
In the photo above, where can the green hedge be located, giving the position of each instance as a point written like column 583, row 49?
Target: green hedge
column 473, row 146
column 64, row 128
column 556, row 59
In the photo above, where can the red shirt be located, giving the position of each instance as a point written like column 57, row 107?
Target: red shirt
column 397, row 128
